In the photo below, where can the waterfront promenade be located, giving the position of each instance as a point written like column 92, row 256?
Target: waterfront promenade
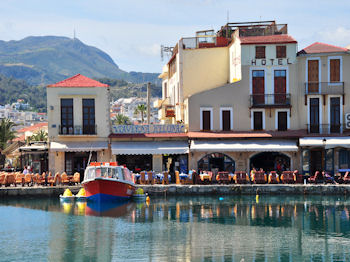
column 188, row 190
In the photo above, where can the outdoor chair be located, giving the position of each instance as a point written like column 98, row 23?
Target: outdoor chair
column 273, row 178
column 2, row 179
column 65, row 179
column 298, row 177
column 50, row 179
column 223, row 177
column 259, row 177
column 143, row 177
column 177, row 177
column 150, row 177
column 10, row 180
column 28, row 179
column 328, row 178
column 165, row 178
column 19, row 180
column 287, row 177
column 76, row 178
column 346, row 178
column 316, row 178
column 241, row 177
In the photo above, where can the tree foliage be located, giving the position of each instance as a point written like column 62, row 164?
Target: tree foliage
column 122, row 120
column 6, row 132
column 141, row 109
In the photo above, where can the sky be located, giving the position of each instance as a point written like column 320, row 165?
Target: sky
column 131, row 31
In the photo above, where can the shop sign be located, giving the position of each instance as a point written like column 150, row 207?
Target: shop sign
column 148, row 129
column 278, row 61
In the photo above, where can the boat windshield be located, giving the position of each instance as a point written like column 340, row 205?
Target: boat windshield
column 107, row 172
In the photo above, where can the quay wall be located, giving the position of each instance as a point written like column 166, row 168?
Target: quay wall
column 188, row 190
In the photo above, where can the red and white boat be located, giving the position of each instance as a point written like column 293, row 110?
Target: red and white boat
column 106, row 181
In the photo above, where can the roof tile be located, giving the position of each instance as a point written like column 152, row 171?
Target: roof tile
column 318, row 47
column 267, row 39
column 78, row 81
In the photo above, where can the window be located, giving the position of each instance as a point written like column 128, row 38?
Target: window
column 226, row 119
column 165, row 90
column 258, row 120
column 89, row 116
column 206, row 119
column 281, row 51
column 335, row 114
column 314, row 115
column 344, row 158
column 280, row 86
column 258, row 87
column 172, row 67
column 282, row 121
column 260, row 52
column 334, row 69
column 67, row 116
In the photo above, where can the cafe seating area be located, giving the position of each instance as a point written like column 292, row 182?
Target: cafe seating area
column 45, row 179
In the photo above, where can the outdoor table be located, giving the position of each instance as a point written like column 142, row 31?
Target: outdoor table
column 204, row 176
column 184, row 176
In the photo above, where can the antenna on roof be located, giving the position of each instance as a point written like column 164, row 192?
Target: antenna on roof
column 228, row 16
column 74, row 34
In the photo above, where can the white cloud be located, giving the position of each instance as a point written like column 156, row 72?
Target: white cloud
column 337, row 36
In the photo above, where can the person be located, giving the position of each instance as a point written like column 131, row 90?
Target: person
column 25, row 171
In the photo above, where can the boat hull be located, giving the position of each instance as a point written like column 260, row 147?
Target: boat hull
column 105, row 190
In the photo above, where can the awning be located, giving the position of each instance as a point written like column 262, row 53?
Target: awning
column 149, row 147
column 243, row 146
column 33, row 148
column 78, row 146
column 327, row 142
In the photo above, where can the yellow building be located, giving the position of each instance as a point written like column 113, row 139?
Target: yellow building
column 79, row 124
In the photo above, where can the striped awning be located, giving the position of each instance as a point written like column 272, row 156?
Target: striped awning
column 78, row 146
column 149, row 147
column 327, row 142
column 243, row 146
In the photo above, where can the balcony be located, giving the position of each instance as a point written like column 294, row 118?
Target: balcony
column 324, row 88
column 325, row 129
column 77, row 130
column 161, row 102
column 270, row 100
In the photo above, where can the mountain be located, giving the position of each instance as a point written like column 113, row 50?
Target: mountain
column 41, row 60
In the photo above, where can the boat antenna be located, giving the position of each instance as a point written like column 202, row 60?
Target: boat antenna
column 90, row 155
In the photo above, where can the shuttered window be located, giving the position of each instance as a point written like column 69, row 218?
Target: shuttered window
column 260, row 52
column 334, row 70
column 282, row 121
column 226, row 120
column 206, row 120
column 281, row 51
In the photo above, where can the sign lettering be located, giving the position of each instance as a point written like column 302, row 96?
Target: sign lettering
column 148, row 129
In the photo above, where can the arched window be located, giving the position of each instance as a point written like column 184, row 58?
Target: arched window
column 218, row 161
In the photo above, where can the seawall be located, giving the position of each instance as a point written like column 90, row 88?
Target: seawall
column 188, row 190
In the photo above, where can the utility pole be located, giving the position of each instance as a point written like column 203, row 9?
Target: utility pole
column 148, row 103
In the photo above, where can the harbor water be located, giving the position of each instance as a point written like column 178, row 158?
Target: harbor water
column 234, row 228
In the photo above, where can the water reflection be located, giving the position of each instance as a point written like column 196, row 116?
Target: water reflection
column 196, row 229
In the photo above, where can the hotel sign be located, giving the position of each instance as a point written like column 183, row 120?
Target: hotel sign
column 148, row 129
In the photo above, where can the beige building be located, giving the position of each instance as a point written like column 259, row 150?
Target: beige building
column 79, row 124
column 246, row 99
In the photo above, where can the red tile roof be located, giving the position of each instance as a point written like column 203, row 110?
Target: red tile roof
column 318, row 47
column 33, row 127
column 78, row 81
column 267, row 39
column 255, row 134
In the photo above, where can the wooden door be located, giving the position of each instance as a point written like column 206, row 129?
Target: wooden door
column 313, row 76
column 280, row 87
column 258, row 121
column 314, row 115
column 282, row 121
column 335, row 114
column 226, row 120
column 258, row 87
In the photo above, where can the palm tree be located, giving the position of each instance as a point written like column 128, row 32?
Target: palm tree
column 6, row 132
column 141, row 109
column 122, row 120
column 41, row 135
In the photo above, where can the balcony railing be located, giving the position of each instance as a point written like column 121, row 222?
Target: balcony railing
column 324, row 88
column 77, row 130
column 324, row 128
column 270, row 100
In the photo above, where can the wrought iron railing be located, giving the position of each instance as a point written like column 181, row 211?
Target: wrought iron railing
column 324, row 128
column 270, row 100
column 324, row 88
column 77, row 130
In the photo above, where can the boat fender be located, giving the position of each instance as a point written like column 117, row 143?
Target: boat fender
column 67, row 193
column 81, row 193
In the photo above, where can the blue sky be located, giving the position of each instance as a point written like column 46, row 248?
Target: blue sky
column 131, row 31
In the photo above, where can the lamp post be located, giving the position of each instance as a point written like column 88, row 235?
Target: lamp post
column 324, row 141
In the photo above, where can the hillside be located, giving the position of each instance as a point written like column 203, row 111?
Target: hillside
column 41, row 60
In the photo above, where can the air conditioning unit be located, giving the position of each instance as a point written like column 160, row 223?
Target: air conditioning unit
column 347, row 121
